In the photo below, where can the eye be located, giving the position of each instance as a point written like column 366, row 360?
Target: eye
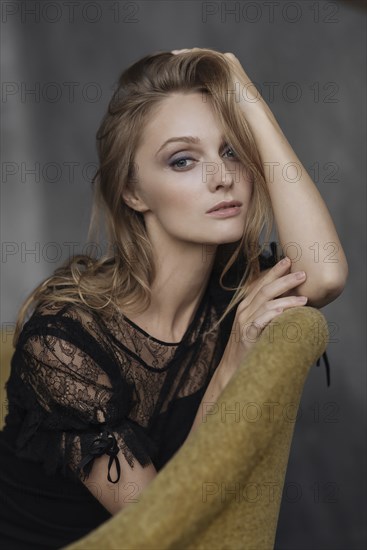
column 179, row 160
column 177, row 163
column 231, row 150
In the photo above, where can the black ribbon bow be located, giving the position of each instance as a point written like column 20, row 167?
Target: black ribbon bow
column 105, row 443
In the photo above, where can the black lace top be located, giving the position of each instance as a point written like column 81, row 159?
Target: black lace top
column 80, row 387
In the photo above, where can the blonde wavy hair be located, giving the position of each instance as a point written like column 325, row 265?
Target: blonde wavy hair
column 123, row 275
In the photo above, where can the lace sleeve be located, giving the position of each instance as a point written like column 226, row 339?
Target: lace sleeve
column 75, row 403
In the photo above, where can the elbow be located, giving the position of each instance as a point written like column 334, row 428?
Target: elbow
column 328, row 290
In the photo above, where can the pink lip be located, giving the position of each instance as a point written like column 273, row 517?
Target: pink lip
column 224, row 204
column 225, row 212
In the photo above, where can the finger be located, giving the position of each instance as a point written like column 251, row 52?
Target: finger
column 288, row 301
column 266, row 309
column 251, row 329
column 277, row 304
column 276, row 288
column 230, row 55
column 289, row 292
column 267, row 295
column 180, row 51
column 261, row 319
column 187, row 50
column 271, row 274
column 276, row 281
column 184, row 50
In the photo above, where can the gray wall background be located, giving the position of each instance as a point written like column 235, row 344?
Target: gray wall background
column 71, row 56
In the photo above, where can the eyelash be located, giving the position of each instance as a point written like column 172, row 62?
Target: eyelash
column 172, row 163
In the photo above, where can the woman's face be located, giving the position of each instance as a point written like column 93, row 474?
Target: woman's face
column 178, row 182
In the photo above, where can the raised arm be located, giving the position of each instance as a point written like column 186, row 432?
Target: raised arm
column 306, row 231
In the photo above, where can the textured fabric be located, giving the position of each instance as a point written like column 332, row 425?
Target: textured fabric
column 82, row 386
column 79, row 387
column 223, row 489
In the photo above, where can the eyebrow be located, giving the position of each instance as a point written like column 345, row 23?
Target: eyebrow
column 185, row 139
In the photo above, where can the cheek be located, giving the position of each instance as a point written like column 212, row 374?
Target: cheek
column 176, row 196
column 169, row 199
column 177, row 204
column 171, row 206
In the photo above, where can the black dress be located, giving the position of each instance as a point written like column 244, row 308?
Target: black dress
column 81, row 387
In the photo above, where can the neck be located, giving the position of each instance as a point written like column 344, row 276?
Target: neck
column 182, row 275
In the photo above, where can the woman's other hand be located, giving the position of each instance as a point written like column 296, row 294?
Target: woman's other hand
column 266, row 300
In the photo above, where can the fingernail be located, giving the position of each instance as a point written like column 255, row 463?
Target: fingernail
column 302, row 299
column 284, row 261
column 300, row 274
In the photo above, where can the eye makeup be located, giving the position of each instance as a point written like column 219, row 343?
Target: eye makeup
column 173, row 161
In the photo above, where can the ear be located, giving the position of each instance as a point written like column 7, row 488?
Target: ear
column 132, row 199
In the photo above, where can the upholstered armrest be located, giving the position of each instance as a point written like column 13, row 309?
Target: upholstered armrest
column 223, row 488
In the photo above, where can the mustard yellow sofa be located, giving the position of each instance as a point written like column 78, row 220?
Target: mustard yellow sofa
column 223, row 488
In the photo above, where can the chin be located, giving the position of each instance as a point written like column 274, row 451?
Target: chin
column 230, row 236
column 223, row 235
column 229, row 241
column 224, row 240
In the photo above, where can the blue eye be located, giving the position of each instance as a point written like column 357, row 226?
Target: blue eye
column 174, row 162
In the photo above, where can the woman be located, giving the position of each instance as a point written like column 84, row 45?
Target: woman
column 112, row 367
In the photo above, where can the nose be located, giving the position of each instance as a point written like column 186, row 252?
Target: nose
column 218, row 173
